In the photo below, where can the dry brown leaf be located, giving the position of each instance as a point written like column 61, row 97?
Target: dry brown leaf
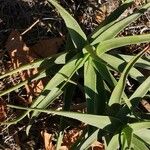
column 3, row 110
column 47, row 47
column 47, row 140
column 21, row 54
column 97, row 146
column 71, row 136
column 146, row 104
column 63, row 148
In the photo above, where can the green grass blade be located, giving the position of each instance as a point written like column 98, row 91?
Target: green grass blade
column 140, row 92
column 59, row 140
column 120, row 25
column 121, row 41
column 101, row 99
column 117, row 92
column 111, row 19
column 91, row 93
column 77, row 35
column 68, row 96
column 94, row 88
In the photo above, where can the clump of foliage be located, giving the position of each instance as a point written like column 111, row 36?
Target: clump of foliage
column 111, row 114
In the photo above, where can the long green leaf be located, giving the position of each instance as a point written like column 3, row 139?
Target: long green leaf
column 119, row 65
column 52, row 87
column 138, row 144
column 140, row 92
column 144, row 135
column 140, row 126
column 77, row 35
column 113, row 30
column 107, row 45
column 89, row 140
column 136, row 96
column 94, row 120
column 68, row 95
column 114, row 143
column 101, row 99
column 111, row 19
column 128, row 131
column 141, row 63
column 91, row 92
column 117, row 92
column 90, row 85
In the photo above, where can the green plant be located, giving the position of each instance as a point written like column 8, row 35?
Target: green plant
column 109, row 109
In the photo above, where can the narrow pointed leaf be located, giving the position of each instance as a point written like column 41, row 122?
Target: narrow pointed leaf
column 144, row 134
column 94, row 120
column 113, row 144
column 121, row 41
column 117, row 92
column 77, row 35
column 138, row 144
column 119, row 65
column 137, row 96
column 62, row 76
column 140, row 92
column 140, row 126
column 142, row 63
column 120, row 25
column 111, row 19
column 128, row 131
column 68, row 95
column 90, row 85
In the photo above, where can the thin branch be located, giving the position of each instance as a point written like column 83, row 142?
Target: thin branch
column 28, row 29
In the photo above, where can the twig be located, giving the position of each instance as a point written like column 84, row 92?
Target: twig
column 28, row 29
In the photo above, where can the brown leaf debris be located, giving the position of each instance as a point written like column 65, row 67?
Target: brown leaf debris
column 21, row 54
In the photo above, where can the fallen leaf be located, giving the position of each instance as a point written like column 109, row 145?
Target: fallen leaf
column 21, row 54
column 3, row 110
column 71, row 136
column 146, row 105
column 97, row 146
column 46, row 47
column 47, row 140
